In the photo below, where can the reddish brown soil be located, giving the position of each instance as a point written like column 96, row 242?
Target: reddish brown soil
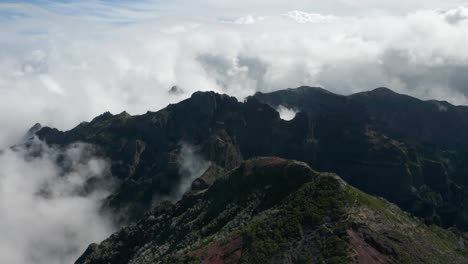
column 365, row 253
column 228, row 253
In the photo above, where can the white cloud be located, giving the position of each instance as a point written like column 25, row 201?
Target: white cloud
column 191, row 166
column 246, row 20
column 456, row 15
column 47, row 215
column 51, row 85
column 304, row 17
column 286, row 113
column 65, row 62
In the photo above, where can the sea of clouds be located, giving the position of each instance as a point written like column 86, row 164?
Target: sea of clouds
column 65, row 62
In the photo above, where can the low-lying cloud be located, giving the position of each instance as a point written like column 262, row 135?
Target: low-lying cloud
column 191, row 166
column 49, row 211
column 286, row 113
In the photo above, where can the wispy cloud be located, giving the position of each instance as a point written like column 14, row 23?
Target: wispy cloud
column 48, row 212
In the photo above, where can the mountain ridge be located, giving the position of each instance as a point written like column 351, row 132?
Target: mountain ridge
column 271, row 210
column 330, row 132
column 356, row 136
column 381, row 142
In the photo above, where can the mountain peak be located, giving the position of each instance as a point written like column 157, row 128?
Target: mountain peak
column 209, row 99
column 176, row 90
column 382, row 91
column 32, row 131
column 35, row 128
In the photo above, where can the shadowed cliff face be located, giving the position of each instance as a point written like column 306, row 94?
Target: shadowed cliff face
column 399, row 116
column 366, row 138
column 409, row 151
column 145, row 150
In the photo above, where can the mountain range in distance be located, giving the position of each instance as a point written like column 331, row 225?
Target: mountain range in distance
column 373, row 177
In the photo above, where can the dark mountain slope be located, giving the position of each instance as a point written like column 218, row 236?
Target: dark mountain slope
column 145, row 150
column 410, row 151
column 429, row 122
column 271, row 210
column 400, row 116
column 342, row 134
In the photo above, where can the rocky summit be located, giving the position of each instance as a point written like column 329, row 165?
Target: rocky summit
column 224, row 204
